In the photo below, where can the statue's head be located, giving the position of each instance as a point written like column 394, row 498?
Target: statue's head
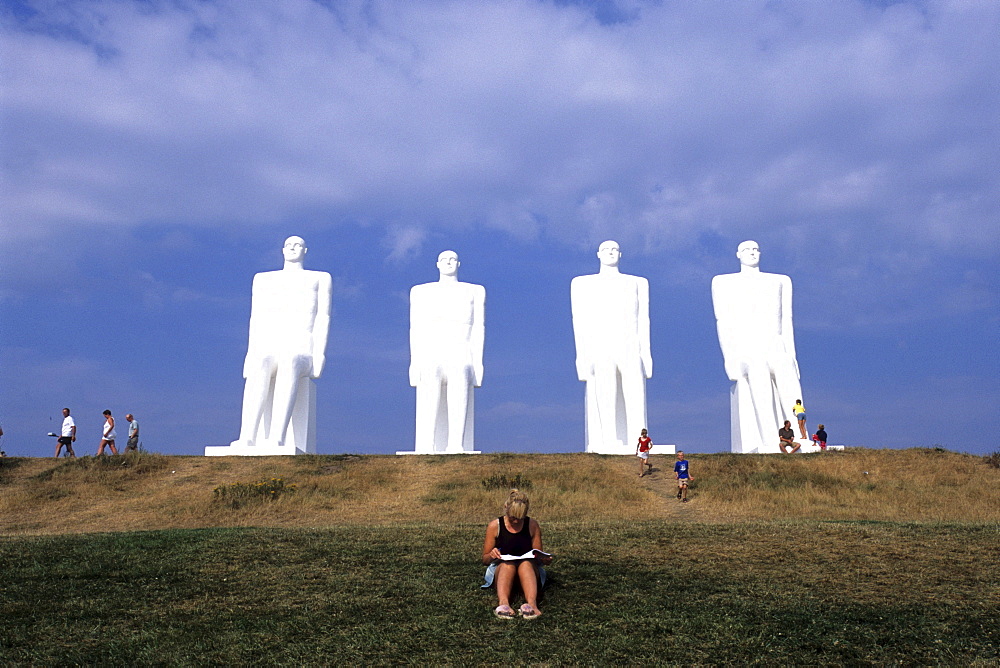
column 749, row 253
column 609, row 253
column 294, row 249
column 448, row 263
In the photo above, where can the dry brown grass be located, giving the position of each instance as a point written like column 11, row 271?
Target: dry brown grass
column 915, row 485
column 45, row 496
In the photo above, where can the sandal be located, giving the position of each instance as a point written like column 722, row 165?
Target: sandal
column 527, row 612
column 504, row 612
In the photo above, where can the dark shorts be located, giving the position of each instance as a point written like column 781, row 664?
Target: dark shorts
column 66, row 440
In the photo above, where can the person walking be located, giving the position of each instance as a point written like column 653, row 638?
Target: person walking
column 642, row 450
column 68, row 434
column 683, row 472
column 108, row 437
column 132, row 445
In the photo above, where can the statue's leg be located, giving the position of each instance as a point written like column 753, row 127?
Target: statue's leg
column 759, row 381
column 634, row 393
column 254, row 398
column 285, row 390
column 786, row 380
column 428, row 404
column 606, row 392
column 459, row 386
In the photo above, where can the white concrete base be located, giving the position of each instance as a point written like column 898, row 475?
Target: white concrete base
column 809, row 446
column 259, row 449
column 622, row 449
column 463, row 452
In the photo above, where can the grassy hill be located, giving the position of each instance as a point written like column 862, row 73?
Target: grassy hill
column 777, row 560
column 150, row 491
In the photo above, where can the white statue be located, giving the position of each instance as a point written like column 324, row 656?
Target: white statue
column 753, row 311
column 289, row 323
column 611, row 328
column 446, row 358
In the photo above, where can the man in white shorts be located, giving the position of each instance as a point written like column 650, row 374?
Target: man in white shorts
column 68, row 434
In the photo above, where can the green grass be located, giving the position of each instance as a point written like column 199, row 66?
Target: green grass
column 650, row 592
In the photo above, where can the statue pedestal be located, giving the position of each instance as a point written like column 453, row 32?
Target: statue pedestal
column 258, row 449
column 301, row 436
column 461, row 452
column 808, row 446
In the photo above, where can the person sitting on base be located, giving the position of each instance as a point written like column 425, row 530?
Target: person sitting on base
column 515, row 534
column 787, row 437
column 819, row 438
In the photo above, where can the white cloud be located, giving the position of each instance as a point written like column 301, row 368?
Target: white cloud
column 528, row 117
column 404, row 242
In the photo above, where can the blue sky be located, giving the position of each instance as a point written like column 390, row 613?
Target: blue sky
column 156, row 154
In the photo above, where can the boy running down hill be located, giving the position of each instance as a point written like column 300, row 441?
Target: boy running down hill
column 683, row 477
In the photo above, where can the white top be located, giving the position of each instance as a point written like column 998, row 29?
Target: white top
column 68, row 424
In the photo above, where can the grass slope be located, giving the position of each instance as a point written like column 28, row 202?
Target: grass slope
column 648, row 592
column 42, row 496
column 778, row 560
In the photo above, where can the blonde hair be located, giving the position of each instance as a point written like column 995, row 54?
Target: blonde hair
column 516, row 506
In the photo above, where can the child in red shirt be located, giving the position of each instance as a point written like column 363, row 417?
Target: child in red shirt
column 642, row 452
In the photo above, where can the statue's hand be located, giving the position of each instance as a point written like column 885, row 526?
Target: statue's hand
column 318, row 363
column 584, row 370
column 477, row 375
column 733, row 370
column 247, row 364
column 414, row 376
column 647, row 365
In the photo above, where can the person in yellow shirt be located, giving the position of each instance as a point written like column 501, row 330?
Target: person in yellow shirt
column 800, row 414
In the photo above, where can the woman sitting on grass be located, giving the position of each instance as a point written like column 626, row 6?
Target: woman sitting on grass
column 514, row 534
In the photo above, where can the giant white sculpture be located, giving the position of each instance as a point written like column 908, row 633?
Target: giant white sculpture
column 611, row 328
column 289, row 324
column 446, row 359
column 753, row 312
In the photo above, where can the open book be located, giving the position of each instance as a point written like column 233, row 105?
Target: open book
column 527, row 555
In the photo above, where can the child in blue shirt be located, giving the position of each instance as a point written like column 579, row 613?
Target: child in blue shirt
column 683, row 477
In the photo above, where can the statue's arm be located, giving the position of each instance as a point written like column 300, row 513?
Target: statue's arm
column 578, row 306
column 321, row 326
column 787, row 330
column 644, row 349
column 478, row 333
column 416, row 336
column 256, row 317
column 723, row 324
